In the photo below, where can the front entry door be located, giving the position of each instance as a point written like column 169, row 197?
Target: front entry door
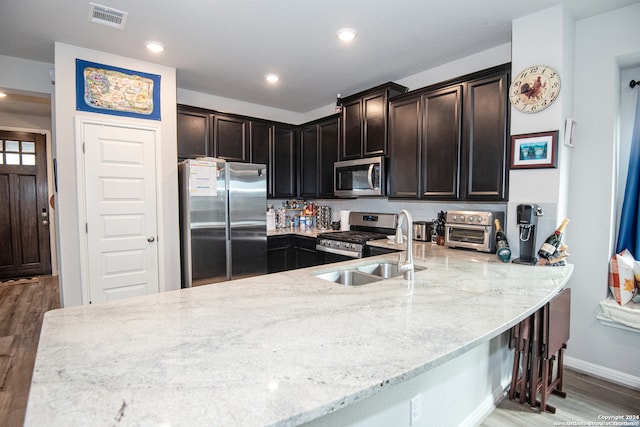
column 120, row 197
column 24, row 211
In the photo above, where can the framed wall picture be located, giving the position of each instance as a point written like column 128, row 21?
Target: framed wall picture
column 117, row 91
column 534, row 150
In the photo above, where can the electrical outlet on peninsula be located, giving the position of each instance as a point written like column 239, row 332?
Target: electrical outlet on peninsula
column 415, row 409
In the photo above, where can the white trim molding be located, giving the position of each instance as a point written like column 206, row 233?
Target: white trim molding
column 605, row 373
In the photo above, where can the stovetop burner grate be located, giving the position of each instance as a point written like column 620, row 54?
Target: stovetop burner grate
column 352, row 236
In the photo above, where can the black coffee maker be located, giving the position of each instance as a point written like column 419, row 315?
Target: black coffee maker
column 527, row 221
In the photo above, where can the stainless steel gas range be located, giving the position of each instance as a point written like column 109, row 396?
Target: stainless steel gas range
column 363, row 226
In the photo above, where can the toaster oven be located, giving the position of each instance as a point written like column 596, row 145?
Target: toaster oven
column 472, row 230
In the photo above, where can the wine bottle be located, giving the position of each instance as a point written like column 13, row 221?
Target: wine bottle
column 502, row 244
column 339, row 104
column 550, row 245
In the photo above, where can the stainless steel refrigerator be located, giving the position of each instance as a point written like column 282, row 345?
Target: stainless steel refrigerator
column 223, row 230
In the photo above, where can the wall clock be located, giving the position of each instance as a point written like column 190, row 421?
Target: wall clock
column 534, row 88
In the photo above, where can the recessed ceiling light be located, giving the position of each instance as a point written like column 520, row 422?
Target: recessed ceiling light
column 155, row 47
column 2, row 94
column 346, row 34
column 272, row 78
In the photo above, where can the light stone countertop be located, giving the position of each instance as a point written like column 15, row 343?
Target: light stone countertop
column 278, row 349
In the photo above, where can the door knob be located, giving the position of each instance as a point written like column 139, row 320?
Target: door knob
column 151, row 239
column 45, row 222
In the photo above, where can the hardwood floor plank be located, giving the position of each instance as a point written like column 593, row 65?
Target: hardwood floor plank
column 22, row 306
column 587, row 398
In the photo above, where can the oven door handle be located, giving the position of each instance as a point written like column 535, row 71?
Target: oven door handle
column 370, row 176
column 468, row 227
column 336, row 251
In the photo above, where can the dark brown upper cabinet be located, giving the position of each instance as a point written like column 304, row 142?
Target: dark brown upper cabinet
column 230, row 138
column 364, row 121
column 405, row 134
column 442, row 112
column 319, row 145
column 261, row 147
column 284, row 165
column 450, row 141
column 486, row 138
column 193, row 132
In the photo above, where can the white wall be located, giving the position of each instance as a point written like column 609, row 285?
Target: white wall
column 544, row 187
column 476, row 62
column 601, row 43
column 67, row 214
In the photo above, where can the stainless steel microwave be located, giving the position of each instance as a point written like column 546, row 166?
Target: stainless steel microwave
column 360, row 177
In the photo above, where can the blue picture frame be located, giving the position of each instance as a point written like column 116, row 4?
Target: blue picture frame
column 105, row 89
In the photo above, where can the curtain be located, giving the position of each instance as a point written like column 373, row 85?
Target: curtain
column 629, row 233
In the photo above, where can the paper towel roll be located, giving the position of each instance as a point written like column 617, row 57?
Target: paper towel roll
column 344, row 220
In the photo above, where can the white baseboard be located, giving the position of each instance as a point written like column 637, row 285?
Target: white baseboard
column 602, row 372
column 487, row 406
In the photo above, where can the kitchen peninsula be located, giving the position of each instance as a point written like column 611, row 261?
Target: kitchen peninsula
column 278, row 349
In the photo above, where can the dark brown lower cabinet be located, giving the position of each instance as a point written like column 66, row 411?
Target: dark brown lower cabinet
column 289, row 252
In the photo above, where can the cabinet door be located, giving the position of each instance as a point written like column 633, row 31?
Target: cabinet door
column 405, row 130
column 284, row 165
column 352, row 130
column 230, row 138
column 305, row 252
column 486, row 145
column 279, row 254
column 193, row 134
column 260, row 141
column 329, row 133
column 261, row 146
column 375, row 125
column 309, row 161
column 442, row 111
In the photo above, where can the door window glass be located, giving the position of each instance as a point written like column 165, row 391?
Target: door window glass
column 17, row 152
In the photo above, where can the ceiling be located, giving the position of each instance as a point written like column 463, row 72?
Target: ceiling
column 226, row 47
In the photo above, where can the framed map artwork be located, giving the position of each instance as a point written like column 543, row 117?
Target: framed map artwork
column 117, row 91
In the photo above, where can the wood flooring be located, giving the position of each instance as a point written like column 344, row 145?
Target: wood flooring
column 23, row 305
column 588, row 400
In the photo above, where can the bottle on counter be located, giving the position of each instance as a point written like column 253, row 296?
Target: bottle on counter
column 271, row 218
column 502, row 244
column 339, row 104
column 550, row 245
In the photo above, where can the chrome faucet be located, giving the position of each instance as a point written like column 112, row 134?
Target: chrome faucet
column 406, row 266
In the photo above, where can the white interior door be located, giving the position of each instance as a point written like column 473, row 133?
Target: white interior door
column 120, row 173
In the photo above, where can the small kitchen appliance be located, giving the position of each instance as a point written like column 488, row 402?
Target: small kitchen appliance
column 471, row 230
column 527, row 216
column 359, row 177
column 422, row 231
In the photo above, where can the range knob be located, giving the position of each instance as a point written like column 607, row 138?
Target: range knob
column 471, row 218
column 461, row 217
column 454, row 217
column 479, row 219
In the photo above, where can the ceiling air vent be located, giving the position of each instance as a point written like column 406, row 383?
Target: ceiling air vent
column 107, row 16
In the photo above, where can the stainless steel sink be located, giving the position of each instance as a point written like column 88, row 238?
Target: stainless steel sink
column 385, row 270
column 349, row 277
column 364, row 274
